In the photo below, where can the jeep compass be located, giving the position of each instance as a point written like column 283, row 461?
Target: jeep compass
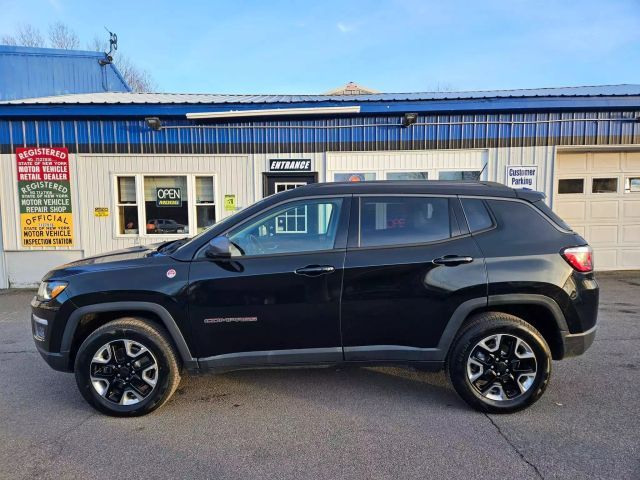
column 472, row 277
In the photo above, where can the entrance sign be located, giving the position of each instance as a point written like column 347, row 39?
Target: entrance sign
column 299, row 165
column 522, row 176
column 44, row 196
column 168, row 197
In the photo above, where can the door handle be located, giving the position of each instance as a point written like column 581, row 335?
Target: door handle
column 452, row 260
column 315, row 270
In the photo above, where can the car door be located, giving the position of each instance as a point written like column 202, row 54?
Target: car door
column 276, row 301
column 410, row 263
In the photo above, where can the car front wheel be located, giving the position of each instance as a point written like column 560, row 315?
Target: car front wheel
column 499, row 363
column 127, row 367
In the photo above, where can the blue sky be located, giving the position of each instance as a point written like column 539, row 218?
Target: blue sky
column 278, row 46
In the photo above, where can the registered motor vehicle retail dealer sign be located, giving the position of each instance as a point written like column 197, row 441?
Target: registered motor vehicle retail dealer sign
column 44, row 195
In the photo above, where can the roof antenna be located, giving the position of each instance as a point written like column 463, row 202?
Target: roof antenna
column 480, row 172
column 113, row 46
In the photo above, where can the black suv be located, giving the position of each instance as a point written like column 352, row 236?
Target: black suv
column 477, row 278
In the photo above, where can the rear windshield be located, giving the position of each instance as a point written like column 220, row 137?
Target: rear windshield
column 540, row 205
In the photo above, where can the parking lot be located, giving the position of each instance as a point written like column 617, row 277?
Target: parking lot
column 330, row 423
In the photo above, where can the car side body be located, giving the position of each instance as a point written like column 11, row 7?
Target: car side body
column 371, row 296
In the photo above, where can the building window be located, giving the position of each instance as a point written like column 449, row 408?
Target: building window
column 150, row 205
column 571, row 185
column 632, row 185
column 354, row 177
column 407, row 175
column 127, row 206
column 205, row 203
column 458, row 175
column 403, row 220
column 166, row 205
column 293, row 220
column 604, row 185
column 284, row 186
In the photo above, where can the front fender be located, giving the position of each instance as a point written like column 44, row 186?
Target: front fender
column 131, row 307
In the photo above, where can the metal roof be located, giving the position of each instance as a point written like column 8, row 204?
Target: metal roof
column 129, row 98
column 27, row 72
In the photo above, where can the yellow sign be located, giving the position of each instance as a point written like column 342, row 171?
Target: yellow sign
column 47, row 229
column 101, row 212
column 229, row 203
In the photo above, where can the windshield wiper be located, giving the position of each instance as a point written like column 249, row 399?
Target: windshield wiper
column 172, row 245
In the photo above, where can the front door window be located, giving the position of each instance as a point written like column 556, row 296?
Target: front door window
column 298, row 226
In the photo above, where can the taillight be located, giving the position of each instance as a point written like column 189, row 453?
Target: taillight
column 580, row 258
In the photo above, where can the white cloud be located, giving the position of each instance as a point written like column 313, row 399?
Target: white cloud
column 345, row 28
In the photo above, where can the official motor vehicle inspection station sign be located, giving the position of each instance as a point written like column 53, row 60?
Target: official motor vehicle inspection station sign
column 44, row 194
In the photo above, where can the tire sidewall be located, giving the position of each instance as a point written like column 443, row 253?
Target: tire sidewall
column 462, row 384
column 83, row 364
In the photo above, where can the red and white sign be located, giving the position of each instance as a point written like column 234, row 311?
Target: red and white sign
column 43, row 164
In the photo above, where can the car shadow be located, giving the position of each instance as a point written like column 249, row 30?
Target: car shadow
column 337, row 386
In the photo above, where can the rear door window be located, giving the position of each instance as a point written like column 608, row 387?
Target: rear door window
column 403, row 220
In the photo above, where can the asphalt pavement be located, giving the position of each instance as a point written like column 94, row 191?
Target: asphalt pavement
column 347, row 423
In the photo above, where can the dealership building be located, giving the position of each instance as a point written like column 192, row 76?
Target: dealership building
column 121, row 169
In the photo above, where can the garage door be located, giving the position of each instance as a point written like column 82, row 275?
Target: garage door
column 598, row 194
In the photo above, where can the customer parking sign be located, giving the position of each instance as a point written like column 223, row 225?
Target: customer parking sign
column 522, row 176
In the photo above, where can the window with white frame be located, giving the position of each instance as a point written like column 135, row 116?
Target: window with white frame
column 354, row 176
column 164, row 204
column 127, row 206
column 205, row 203
column 458, row 175
column 408, row 175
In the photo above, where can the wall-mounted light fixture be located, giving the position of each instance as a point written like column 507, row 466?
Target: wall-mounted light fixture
column 409, row 119
column 153, row 123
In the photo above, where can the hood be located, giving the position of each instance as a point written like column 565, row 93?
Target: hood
column 128, row 257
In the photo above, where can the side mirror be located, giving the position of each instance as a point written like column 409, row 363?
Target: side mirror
column 219, row 249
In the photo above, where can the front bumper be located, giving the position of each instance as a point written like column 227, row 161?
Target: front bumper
column 577, row 343
column 57, row 361
column 45, row 323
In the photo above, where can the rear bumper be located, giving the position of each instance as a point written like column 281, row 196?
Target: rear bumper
column 577, row 343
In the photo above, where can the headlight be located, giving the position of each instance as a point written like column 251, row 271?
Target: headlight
column 50, row 290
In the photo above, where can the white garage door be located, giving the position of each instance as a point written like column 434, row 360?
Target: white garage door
column 598, row 194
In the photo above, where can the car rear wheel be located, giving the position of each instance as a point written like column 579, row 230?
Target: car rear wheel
column 127, row 367
column 499, row 363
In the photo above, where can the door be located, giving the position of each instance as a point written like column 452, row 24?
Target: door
column 598, row 194
column 279, row 182
column 277, row 300
column 410, row 263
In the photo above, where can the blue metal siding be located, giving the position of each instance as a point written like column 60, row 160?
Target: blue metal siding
column 39, row 72
column 110, row 135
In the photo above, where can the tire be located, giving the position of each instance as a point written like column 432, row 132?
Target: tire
column 490, row 381
column 127, row 367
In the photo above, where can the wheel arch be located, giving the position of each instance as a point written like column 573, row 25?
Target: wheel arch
column 542, row 312
column 86, row 319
